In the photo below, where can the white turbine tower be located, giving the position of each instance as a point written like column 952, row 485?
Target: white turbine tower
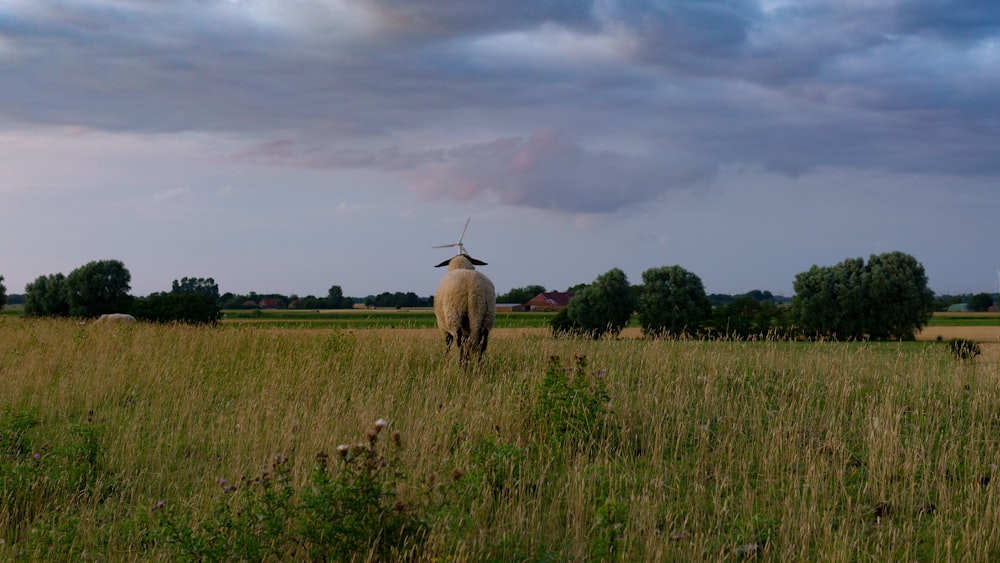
column 461, row 249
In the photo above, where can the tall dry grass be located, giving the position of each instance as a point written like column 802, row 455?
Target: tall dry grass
column 710, row 451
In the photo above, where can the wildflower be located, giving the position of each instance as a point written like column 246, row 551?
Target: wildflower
column 38, row 457
column 457, row 474
column 380, row 424
column 395, row 438
column 158, row 505
column 342, row 450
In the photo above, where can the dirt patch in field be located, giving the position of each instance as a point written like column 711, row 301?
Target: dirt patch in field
column 981, row 334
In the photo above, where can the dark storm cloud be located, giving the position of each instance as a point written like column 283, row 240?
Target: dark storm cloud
column 900, row 86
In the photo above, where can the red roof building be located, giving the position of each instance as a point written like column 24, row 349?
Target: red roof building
column 549, row 301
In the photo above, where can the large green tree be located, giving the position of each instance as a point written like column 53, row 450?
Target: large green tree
column 97, row 288
column 335, row 299
column 196, row 286
column 673, row 302
column 887, row 298
column 979, row 302
column 603, row 307
column 46, row 297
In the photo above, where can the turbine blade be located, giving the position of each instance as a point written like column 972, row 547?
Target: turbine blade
column 461, row 236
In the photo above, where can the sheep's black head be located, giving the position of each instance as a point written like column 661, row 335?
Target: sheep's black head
column 461, row 262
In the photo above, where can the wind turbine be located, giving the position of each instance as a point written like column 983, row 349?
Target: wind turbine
column 461, row 249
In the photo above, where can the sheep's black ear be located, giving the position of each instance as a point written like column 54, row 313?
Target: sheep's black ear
column 474, row 261
column 445, row 263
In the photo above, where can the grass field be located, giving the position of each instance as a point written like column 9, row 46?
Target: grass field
column 170, row 442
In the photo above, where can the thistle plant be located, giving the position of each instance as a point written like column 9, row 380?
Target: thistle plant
column 348, row 507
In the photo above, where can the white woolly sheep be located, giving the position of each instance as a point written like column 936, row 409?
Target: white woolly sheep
column 121, row 318
column 465, row 307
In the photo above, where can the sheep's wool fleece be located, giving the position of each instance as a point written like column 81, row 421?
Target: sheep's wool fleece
column 465, row 295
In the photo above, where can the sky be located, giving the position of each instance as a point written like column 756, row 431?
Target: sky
column 285, row 146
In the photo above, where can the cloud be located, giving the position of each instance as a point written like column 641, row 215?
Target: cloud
column 166, row 196
column 545, row 170
column 402, row 86
column 549, row 171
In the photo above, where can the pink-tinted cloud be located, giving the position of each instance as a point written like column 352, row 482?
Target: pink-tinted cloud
column 546, row 170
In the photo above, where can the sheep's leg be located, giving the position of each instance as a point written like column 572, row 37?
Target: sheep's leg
column 483, row 341
column 447, row 343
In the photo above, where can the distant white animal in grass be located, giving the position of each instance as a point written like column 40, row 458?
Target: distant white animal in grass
column 465, row 304
column 120, row 318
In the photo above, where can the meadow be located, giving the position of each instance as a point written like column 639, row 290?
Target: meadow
column 259, row 441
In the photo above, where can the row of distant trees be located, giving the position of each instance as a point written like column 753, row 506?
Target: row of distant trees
column 884, row 298
column 103, row 286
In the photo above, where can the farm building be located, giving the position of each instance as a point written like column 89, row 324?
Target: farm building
column 510, row 308
column 958, row 308
column 549, row 301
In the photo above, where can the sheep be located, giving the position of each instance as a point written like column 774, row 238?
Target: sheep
column 121, row 318
column 465, row 307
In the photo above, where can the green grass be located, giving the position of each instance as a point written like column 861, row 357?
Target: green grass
column 364, row 319
column 124, row 443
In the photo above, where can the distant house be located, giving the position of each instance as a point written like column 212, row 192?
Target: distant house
column 958, row 308
column 549, row 301
column 271, row 303
column 510, row 308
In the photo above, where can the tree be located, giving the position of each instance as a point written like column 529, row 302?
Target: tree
column 899, row 300
column 97, row 288
column 3, row 294
column 746, row 317
column 335, row 299
column 830, row 301
column 886, row 298
column 196, row 286
column 521, row 295
column 190, row 308
column 46, row 297
column 605, row 306
column 979, row 302
column 673, row 301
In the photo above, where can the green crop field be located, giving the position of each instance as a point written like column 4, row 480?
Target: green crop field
column 250, row 441
column 965, row 319
column 367, row 318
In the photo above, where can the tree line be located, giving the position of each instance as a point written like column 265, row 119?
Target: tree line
column 884, row 298
column 102, row 286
